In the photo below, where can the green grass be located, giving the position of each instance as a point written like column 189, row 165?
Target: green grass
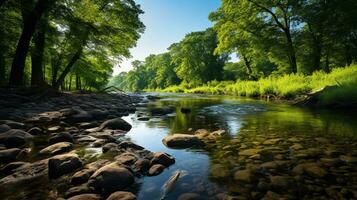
column 285, row 87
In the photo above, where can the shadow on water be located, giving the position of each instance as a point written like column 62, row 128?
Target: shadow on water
column 250, row 124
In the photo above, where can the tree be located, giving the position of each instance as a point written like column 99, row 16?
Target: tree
column 30, row 20
column 195, row 59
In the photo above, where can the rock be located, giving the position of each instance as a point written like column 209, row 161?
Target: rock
column 312, row 169
column 249, row 152
column 161, row 111
column 127, row 144
column 109, row 146
column 78, row 190
column 348, row 159
column 10, row 168
column 110, row 178
column 15, row 138
column 296, row 146
column 82, row 176
column 218, row 133
column 63, row 164
column 13, row 124
column 163, row 159
column 219, row 171
column 87, row 125
column 116, row 123
column 9, row 155
column 61, row 137
column 201, row 133
column 126, row 158
column 27, row 173
column 282, row 182
column 271, row 141
column 142, row 165
column 86, row 197
column 243, row 175
column 156, row 169
column 4, row 128
column 273, row 164
column 57, row 148
column 35, row 131
column 190, row 196
column 143, row 118
column 185, row 110
column 182, row 141
column 120, row 195
column 55, row 129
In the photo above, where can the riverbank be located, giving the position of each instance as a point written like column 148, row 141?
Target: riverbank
column 294, row 88
column 72, row 146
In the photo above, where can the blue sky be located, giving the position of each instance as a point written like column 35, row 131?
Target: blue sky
column 167, row 22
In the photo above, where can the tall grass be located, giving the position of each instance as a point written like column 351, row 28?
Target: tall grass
column 288, row 86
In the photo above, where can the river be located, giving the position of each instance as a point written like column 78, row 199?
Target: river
column 280, row 136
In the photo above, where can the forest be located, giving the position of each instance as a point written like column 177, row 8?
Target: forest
column 274, row 40
column 66, row 45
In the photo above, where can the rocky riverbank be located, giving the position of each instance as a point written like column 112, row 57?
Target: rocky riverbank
column 72, row 146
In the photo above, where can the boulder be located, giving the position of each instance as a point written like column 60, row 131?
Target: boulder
column 9, row 155
column 121, row 195
column 37, row 171
column 109, row 146
column 82, row 176
column 57, row 148
column 86, row 197
column 78, row 190
column 156, row 169
column 63, row 164
column 13, row 124
column 35, row 131
column 126, row 158
column 312, row 169
column 116, row 123
column 128, row 144
column 4, row 128
column 11, row 167
column 141, row 165
column 182, row 141
column 163, row 159
column 61, row 137
column 15, row 138
column 110, row 178
column 243, row 175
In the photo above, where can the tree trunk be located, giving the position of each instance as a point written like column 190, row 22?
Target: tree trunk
column 2, row 68
column 37, row 54
column 30, row 22
column 249, row 68
column 68, row 68
column 291, row 51
column 317, row 53
column 70, row 83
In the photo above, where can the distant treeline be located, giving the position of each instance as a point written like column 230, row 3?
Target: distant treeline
column 270, row 38
column 65, row 44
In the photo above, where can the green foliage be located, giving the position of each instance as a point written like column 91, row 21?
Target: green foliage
column 83, row 40
column 287, row 86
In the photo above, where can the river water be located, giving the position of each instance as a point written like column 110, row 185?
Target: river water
column 275, row 139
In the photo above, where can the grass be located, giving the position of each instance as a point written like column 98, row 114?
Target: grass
column 285, row 87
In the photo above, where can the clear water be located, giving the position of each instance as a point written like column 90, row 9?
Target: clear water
column 249, row 120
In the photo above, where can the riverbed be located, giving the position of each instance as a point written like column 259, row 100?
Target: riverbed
column 279, row 142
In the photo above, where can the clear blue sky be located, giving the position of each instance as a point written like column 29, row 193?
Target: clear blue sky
column 167, row 22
